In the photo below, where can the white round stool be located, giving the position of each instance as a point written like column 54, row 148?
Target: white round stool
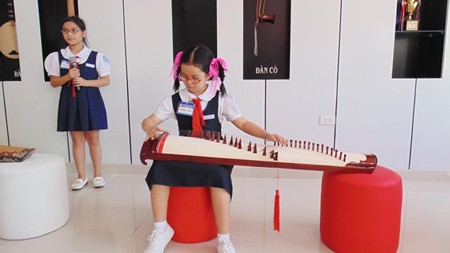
column 33, row 196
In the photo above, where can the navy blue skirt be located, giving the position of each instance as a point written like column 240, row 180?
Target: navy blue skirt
column 84, row 112
column 185, row 174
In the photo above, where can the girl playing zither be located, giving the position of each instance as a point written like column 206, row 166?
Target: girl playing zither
column 197, row 107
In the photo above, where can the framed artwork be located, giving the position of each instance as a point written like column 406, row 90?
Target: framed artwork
column 267, row 38
column 9, row 57
column 189, row 27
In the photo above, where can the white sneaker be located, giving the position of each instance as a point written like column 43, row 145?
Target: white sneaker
column 78, row 184
column 158, row 242
column 225, row 246
column 98, row 182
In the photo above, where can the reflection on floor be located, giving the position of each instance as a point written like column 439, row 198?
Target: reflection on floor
column 118, row 218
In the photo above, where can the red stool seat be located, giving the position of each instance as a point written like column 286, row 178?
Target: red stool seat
column 361, row 212
column 191, row 215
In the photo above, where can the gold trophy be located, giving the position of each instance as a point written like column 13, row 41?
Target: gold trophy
column 411, row 8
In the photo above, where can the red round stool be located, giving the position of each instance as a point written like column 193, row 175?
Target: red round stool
column 361, row 212
column 190, row 214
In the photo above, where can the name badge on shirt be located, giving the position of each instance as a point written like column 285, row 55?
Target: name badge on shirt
column 65, row 64
column 208, row 117
column 90, row 65
column 186, row 108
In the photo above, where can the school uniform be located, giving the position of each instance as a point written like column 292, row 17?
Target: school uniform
column 216, row 109
column 82, row 108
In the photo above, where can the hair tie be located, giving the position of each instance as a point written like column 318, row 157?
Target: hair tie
column 214, row 71
column 214, row 66
column 176, row 65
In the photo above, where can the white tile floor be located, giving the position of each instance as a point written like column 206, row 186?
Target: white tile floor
column 117, row 218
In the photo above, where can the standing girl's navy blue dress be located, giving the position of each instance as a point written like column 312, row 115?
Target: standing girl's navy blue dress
column 84, row 109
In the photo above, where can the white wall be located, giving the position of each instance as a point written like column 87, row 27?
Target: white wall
column 106, row 34
column 431, row 137
column 338, row 57
column 3, row 130
column 149, row 60
column 294, row 106
column 431, row 132
column 374, row 111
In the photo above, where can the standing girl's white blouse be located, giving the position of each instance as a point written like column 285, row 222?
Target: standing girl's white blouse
column 52, row 64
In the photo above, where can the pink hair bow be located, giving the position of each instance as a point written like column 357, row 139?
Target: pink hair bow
column 176, row 64
column 214, row 72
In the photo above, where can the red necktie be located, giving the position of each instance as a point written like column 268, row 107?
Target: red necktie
column 197, row 117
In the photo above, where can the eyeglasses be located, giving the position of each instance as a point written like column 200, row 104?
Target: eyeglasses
column 72, row 31
column 193, row 80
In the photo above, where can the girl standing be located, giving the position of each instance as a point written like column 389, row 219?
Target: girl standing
column 80, row 72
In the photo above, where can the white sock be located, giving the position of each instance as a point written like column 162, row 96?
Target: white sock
column 161, row 226
column 225, row 237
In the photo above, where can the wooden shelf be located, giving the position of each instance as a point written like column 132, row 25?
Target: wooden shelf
column 419, row 54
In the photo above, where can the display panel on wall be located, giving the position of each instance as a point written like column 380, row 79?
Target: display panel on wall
column 194, row 22
column 9, row 57
column 51, row 14
column 267, row 38
column 419, row 38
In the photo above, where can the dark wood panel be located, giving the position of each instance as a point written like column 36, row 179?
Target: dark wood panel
column 51, row 14
column 194, row 22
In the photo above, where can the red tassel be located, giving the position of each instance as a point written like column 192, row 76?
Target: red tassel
column 276, row 212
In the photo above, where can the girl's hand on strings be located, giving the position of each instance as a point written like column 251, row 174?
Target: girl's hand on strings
column 277, row 138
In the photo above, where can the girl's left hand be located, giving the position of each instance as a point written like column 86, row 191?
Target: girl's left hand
column 277, row 138
column 79, row 81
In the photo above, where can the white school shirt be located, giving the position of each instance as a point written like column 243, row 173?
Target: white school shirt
column 52, row 64
column 228, row 108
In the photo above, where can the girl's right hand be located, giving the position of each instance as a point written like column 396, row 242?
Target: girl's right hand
column 74, row 72
column 153, row 132
column 150, row 127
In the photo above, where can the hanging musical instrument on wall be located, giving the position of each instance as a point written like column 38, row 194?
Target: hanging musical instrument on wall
column 8, row 35
column 261, row 17
column 212, row 148
column 70, row 8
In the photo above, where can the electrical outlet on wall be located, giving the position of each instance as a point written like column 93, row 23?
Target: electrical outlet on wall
column 327, row 120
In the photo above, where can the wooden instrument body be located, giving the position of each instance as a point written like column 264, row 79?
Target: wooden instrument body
column 14, row 154
column 71, row 8
column 217, row 151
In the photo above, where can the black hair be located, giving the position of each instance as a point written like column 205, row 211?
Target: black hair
column 79, row 22
column 201, row 57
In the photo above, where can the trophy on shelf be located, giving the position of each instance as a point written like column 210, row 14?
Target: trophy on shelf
column 412, row 11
